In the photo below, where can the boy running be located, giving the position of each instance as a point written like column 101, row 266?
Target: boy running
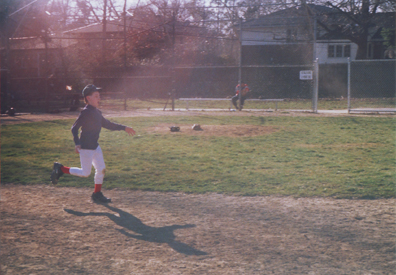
column 91, row 122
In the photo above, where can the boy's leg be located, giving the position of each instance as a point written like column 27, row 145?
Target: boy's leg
column 100, row 167
column 86, row 157
column 242, row 103
column 234, row 101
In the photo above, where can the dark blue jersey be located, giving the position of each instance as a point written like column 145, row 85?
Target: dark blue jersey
column 91, row 122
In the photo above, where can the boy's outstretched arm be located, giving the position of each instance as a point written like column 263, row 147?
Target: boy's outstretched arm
column 130, row 131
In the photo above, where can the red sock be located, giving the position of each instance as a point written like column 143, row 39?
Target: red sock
column 98, row 187
column 65, row 170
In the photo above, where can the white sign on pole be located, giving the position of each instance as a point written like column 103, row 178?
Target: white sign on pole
column 306, row 75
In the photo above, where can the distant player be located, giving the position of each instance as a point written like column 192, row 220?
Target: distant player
column 91, row 122
column 244, row 95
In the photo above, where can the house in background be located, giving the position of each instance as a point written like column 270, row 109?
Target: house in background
column 28, row 55
column 112, row 36
column 293, row 36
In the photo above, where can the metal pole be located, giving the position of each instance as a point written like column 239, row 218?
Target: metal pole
column 240, row 64
column 316, row 86
column 349, row 85
column 47, row 107
column 314, row 37
column 316, row 70
column 125, row 36
column 173, row 61
column 7, row 82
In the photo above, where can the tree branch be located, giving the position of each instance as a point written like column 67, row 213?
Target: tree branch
column 344, row 13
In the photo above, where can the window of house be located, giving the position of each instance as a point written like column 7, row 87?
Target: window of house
column 347, row 51
column 330, row 51
column 339, row 51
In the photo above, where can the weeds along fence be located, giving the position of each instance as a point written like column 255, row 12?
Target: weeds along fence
column 372, row 86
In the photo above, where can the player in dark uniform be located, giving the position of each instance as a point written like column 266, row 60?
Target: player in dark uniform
column 91, row 122
column 244, row 95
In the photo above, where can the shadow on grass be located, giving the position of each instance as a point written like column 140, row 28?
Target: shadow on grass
column 144, row 232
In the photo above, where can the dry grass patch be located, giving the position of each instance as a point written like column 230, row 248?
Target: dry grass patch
column 347, row 145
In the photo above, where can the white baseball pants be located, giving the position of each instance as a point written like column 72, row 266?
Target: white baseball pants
column 89, row 158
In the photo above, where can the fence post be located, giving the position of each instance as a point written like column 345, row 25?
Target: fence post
column 349, row 85
column 316, row 87
column 173, row 91
column 240, row 65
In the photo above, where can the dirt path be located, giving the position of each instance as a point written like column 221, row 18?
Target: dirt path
column 56, row 230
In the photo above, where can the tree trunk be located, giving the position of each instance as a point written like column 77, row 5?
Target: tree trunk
column 362, row 49
column 362, row 40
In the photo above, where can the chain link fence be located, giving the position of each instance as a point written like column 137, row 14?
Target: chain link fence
column 371, row 86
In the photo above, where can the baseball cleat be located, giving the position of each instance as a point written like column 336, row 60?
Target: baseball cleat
column 56, row 173
column 99, row 198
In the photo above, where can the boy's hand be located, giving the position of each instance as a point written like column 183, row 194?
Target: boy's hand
column 77, row 149
column 130, row 131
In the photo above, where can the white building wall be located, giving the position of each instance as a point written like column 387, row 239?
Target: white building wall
column 277, row 36
column 322, row 51
column 273, row 36
column 255, row 38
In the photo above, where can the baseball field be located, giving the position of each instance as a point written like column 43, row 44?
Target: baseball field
column 251, row 193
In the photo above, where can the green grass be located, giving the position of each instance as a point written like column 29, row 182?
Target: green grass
column 288, row 104
column 342, row 157
column 293, row 104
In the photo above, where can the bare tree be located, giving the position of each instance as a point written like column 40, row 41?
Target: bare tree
column 354, row 19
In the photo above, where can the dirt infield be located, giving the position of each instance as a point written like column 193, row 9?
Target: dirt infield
column 58, row 230
column 55, row 230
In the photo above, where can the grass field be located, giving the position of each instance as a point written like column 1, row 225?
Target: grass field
column 287, row 104
column 342, row 157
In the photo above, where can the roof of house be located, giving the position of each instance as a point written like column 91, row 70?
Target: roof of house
column 300, row 16
column 289, row 16
column 117, row 26
column 37, row 43
column 111, row 26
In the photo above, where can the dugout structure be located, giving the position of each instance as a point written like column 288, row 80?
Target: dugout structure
column 371, row 86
